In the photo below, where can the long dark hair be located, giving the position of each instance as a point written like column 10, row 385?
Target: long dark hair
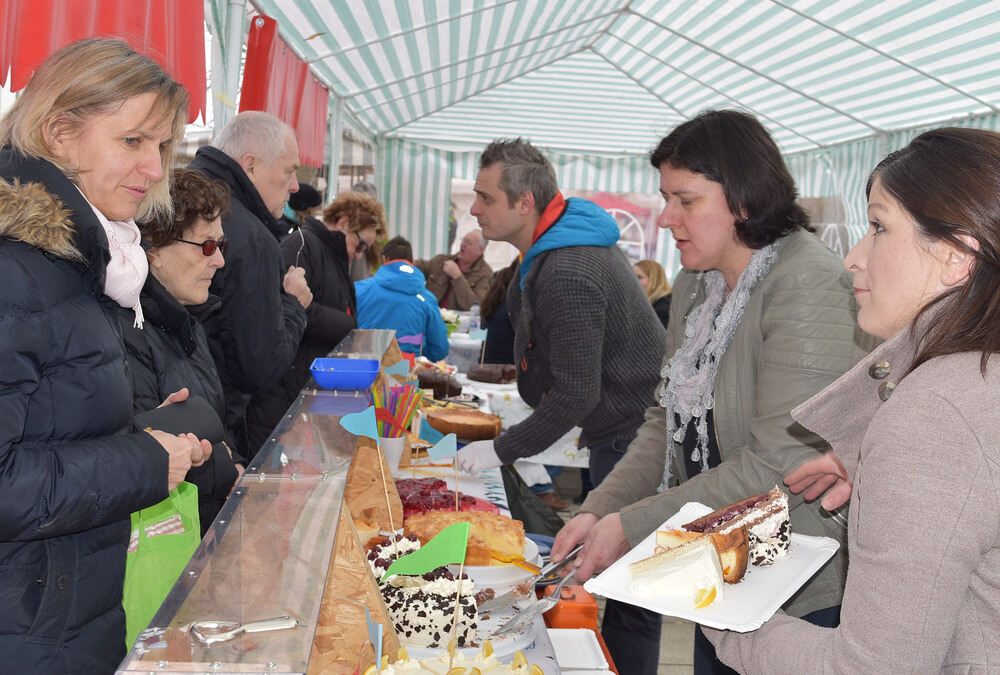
column 733, row 149
column 948, row 180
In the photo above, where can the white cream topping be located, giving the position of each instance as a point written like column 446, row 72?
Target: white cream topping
column 693, row 567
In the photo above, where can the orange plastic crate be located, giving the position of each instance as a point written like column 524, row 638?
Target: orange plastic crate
column 576, row 609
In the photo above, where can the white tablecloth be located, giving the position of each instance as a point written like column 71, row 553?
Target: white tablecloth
column 463, row 351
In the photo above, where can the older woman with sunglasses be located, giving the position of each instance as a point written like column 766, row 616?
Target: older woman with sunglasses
column 351, row 224
column 171, row 352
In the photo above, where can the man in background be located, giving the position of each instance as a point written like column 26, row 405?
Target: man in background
column 461, row 279
column 397, row 298
column 587, row 343
column 255, row 331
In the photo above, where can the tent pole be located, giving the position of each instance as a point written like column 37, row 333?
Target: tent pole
column 232, row 55
column 336, row 145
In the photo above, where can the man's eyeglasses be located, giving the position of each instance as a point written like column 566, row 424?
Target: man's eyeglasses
column 208, row 247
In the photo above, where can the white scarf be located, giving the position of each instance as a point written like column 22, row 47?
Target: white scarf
column 689, row 376
column 128, row 267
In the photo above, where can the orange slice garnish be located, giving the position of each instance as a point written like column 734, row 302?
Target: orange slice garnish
column 704, row 597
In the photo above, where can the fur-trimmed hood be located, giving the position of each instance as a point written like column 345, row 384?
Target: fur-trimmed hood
column 31, row 214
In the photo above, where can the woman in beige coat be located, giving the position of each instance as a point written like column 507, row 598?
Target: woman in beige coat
column 914, row 427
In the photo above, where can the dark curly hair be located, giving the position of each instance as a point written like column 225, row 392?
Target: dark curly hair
column 733, row 149
column 194, row 196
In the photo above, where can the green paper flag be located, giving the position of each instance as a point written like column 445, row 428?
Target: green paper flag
column 446, row 548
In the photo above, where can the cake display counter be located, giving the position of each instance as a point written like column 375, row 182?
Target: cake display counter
column 280, row 583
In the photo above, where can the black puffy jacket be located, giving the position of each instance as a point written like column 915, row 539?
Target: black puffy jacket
column 255, row 334
column 71, row 469
column 330, row 317
column 168, row 353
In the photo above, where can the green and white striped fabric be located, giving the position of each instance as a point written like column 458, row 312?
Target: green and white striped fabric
column 597, row 83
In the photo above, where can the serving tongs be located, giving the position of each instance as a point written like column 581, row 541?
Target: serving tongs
column 533, row 611
column 517, row 560
column 212, row 631
column 547, row 575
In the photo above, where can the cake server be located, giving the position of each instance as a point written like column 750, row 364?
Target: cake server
column 211, row 632
column 531, row 612
column 546, row 575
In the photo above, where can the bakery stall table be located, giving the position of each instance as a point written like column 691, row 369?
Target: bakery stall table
column 285, row 548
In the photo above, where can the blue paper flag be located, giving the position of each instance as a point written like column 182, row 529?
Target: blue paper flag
column 361, row 423
column 401, row 368
column 478, row 334
column 429, row 433
column 446, row 447
column 375, row 635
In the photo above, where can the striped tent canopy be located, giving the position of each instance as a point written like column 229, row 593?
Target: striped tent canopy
column 607, row 78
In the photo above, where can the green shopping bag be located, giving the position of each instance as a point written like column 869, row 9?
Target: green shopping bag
column 164, row 536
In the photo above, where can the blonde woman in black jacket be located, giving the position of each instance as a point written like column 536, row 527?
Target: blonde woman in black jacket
column 85, row 149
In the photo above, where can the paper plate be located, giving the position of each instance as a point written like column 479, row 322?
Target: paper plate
column 744, row 606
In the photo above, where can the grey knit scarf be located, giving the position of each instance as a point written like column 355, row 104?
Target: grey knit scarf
column 689, row 376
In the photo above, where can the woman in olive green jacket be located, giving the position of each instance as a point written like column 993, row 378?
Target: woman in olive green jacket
column 762, row 318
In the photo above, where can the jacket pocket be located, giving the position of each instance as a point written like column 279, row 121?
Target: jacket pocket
column 21, row 595
column 56, row 591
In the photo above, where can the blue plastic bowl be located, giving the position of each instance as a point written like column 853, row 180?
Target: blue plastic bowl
column 332, row 373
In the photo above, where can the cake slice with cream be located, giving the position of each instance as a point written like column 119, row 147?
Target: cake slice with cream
column 765, row 518
column 690, row 571
column 732, row 547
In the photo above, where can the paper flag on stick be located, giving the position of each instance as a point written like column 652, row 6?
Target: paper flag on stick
column 361, row 423
column 429, row 433
column 446, row 548
column 375, row 635
column 401, row 368
column 477, row 334
column 446, row 447
column 417, row 339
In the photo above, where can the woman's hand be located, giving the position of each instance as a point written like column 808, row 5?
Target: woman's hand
column 823, row 474
column 572, row 534
column 176, row 397
column 605, row 544
column 184, row 451
column 239, row 474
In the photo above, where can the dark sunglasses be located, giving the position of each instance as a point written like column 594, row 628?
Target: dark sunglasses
column 208, row 247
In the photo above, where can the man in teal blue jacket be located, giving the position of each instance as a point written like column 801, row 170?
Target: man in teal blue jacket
column 396, row 297
column 587, row 343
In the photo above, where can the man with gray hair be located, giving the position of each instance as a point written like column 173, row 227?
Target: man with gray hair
column 255, row 331
column 461, row 279
column 587, row 343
